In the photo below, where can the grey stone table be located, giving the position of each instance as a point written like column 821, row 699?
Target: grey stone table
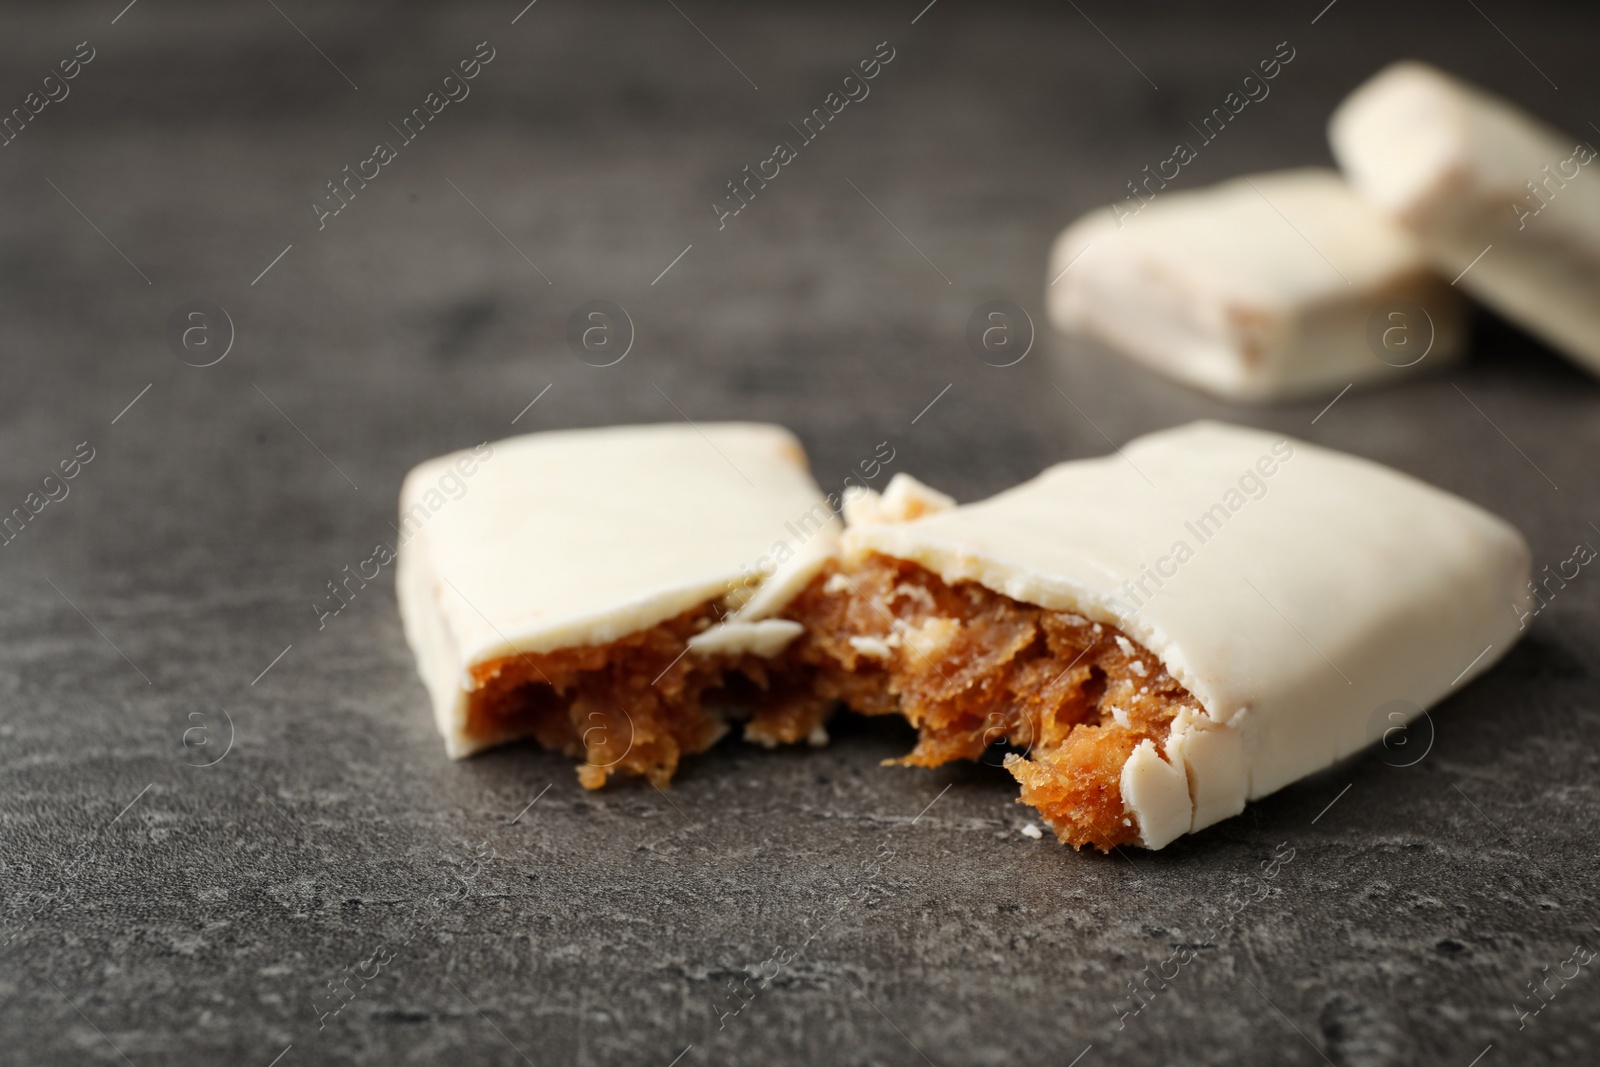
column 217, row 807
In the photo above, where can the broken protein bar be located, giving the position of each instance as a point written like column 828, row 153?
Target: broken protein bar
column 1157, row 636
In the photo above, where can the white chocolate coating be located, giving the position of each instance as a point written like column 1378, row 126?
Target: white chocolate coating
column 1291, row 589
column 577, row 538
column 1464, row 171
column 1256, row 289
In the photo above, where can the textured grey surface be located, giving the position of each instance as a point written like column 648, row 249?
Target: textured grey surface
column 160, row 912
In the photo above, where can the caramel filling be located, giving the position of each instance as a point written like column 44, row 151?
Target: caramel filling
column 638, row 704
column 970, row 668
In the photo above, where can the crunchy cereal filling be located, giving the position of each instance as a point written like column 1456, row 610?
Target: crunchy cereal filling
column 636, row 705
column 970, row 668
